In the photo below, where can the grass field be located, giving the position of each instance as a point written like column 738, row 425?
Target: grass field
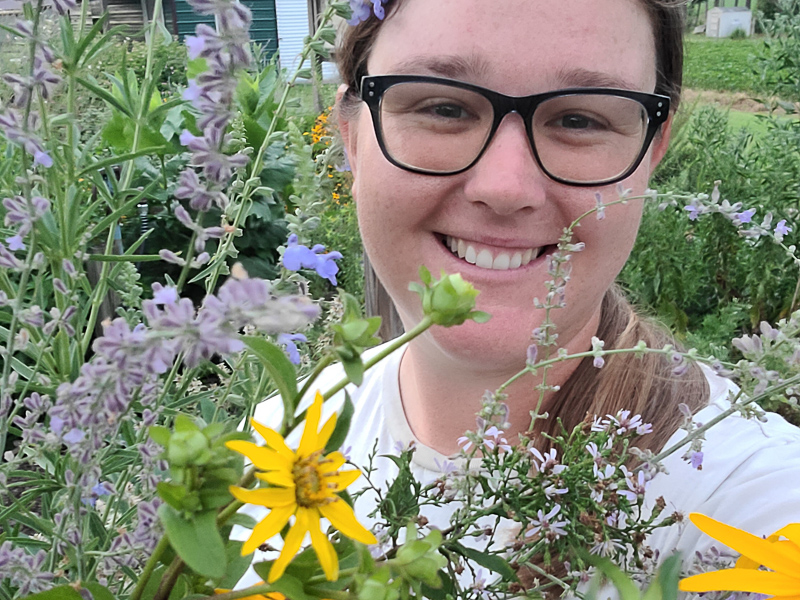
column 721, row 64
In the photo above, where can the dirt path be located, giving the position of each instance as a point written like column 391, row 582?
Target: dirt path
column 733, row 100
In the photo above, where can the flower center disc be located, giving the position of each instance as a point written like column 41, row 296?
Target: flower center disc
column 311, row 488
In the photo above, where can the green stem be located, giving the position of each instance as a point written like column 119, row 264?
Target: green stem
column 98, row 294
column 321, row 366
column 734, row 408
column 151, row 565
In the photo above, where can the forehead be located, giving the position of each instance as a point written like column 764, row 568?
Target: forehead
column 521, row 47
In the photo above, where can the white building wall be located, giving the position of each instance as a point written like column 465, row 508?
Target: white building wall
column 292, row 18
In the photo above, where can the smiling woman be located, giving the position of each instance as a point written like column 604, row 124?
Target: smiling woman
column 476, row 136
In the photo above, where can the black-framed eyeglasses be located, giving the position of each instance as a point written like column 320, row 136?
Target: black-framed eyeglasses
column 579, row 136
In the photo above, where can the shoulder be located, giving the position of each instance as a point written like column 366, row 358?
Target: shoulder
column 750, row 477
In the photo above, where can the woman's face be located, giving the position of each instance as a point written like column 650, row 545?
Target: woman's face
column 504, row 204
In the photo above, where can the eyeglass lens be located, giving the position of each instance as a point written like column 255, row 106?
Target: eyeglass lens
column 579, row 137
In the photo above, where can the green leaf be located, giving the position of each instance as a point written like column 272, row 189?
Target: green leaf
column 197, row 541
column 354, row 369
column 279, row 368
column 62, row 592
column 626, row 588
column 342, row 425
column 105, row 95
column 237, row 564
column 493, row 562
column 160, row 435
column 291, row 587
column 99, row 592
column 172, row 493
column 668, row 575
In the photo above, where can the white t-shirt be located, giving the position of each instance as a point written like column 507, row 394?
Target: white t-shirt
column 750, row 477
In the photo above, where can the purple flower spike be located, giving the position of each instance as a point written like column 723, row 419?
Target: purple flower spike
column 40, row 157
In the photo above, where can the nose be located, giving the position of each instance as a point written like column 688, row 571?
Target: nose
column 507, row 178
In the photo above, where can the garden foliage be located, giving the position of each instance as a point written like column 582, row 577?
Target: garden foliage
column 125, row 390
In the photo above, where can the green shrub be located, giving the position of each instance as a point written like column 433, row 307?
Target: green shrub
column 696, row 275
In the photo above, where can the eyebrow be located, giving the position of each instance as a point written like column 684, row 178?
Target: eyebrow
column 450, row 66
column 586, row 78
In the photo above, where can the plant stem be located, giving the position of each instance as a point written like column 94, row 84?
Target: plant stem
column 152, row 562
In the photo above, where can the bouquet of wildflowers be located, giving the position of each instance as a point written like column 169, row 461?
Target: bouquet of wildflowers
column 128, row 448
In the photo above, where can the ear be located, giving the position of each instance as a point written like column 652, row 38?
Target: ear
column 347, row 127
column 661, row 143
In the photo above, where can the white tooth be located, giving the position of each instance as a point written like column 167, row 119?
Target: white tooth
column 502, row 262
column 484, row 259
column 538, row 252
column 470, row 256
column 453, row 244
column 516, row 261
column 526, row 256
column 462, row 249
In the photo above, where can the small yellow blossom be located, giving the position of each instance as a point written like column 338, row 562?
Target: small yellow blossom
column 781, row 557
column 304, row 484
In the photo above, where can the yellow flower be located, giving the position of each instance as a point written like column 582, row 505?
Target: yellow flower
column 304, row 484
column 782, row 557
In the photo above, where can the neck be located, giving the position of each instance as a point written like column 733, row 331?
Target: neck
column 441, row 395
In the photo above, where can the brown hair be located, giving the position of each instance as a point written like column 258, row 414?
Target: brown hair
column 644, row 385
column 666, row 16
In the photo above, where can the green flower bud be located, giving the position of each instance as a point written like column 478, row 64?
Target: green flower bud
column 448, row 301
column 187, row 447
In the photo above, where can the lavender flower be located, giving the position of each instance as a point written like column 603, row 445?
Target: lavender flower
column 64, row 6
column 297, row 256
column 696, row 460
column 362, row 10
column 781, row 230
column 287, row 340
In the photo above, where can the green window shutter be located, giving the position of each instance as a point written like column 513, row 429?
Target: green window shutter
column 264, row 29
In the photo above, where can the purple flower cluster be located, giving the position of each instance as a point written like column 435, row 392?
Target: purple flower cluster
column 363, row 10
column 226, row 50
column 127, row 361
column 704, row 204
column 24, row 571
column 131, row 549
column 297, row 256
column 41, row 80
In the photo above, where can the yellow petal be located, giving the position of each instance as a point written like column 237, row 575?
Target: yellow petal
column 758, row 549
column 308, row 443
column 261, row 457
column 333, row 461
column 791, row 532
column 324, row 549
column 277, row 478
column 326, row 431
column 343, row 478
column 268, row 527
column 270, row 497
column 274, row 440
column 742, row 580
column 343, row 518
column 291, row 545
